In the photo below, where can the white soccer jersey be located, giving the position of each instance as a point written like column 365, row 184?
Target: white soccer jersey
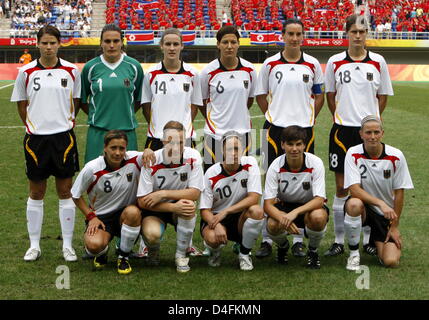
column 290, row 87
column 171, row 96
column 160, row 176
column 227, row 92
column 295, row 186
column 109, row 190
column 222, row 190
column 50, row 93
column 357, row 84
column 379, row 177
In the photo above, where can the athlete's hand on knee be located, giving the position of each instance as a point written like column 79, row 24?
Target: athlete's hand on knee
column 185, row 208
column 217, row 218
column 94, row 225
column 286, row 220
column 148, row 158
column 293, row 229
column 220, row 234
column 395, row 235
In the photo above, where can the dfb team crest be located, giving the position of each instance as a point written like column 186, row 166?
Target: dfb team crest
column 64, row 82
column 305, row 78
column 127, row 82
column 186, row 87
column 386, row 174
column 369, row 76
column 246, row 84
column 184, row 176
column 306, row 185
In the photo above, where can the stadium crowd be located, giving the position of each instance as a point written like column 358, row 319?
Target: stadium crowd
column 28, row 16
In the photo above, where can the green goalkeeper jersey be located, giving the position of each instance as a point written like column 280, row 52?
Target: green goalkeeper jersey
column 111, row 91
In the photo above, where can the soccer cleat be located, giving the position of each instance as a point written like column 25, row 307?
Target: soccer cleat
column 368, row 249
column 206, row 252
column 32, row 254
column 245, row 262
column 194, row 252
column 214, row 259
column 313, row 261
column 335, row 250
column 298, row 250
column 182, row 265
column 153, row 257
column 100, row 262
column 124, row 266
column 69, row 255
column 282, row 255
column 264, row 251
column 353, row 263
column 140, row 255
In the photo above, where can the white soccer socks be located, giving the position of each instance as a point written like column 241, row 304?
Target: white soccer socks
column 366, row 235
column 185, row 230
column 353, row 228
column 338, row 208
column 315, row 237
column 251, row 230
column 34, row 221
column 298, row 237
column 265, row 235
column 280, row 239
column 66, row 209
column 129, row 236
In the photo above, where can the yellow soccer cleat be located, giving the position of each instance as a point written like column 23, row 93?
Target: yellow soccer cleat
column 124, row 266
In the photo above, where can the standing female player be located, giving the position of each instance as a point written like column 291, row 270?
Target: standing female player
column 171, row 92
column 111, row 90
column 357, row 84
column 47, row 91
column 227, row 86
column 294, row 81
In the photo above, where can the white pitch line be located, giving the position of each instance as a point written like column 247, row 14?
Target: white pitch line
column 8, row 85
column 85, row 125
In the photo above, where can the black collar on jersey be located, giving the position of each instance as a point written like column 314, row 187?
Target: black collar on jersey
column 382, row 155
column 39, row 65
column 164, row 69
column 222, row 67
column 303, row 167
column 366, row 59
column 110, row 169
column 226, row 174
column 300, row 61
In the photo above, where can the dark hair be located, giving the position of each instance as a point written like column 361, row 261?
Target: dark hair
column 111, row 27
column 51, row 30
column 227, row 30
column 114, row 134
column 176, row 125
column 293, row 133
column 171, row 31
column 292, row 21
column 355, row 19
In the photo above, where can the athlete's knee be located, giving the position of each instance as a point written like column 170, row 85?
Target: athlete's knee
column 256, row 212
column 95, row 245
column 273, row 227
column 390, row 262
column 317, row 220
column 151, row 234
column 355, row 207
column 210, row 240
column 132, row 216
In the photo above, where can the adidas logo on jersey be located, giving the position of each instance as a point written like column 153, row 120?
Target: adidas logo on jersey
column 374, row 165
column 292, row 69
column 294, row 179
column 172, row 79
column 232, row 76
column 50, row 74
column 357, row 68
column 113, row 75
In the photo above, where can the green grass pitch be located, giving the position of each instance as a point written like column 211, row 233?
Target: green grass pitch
column 406, row 121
